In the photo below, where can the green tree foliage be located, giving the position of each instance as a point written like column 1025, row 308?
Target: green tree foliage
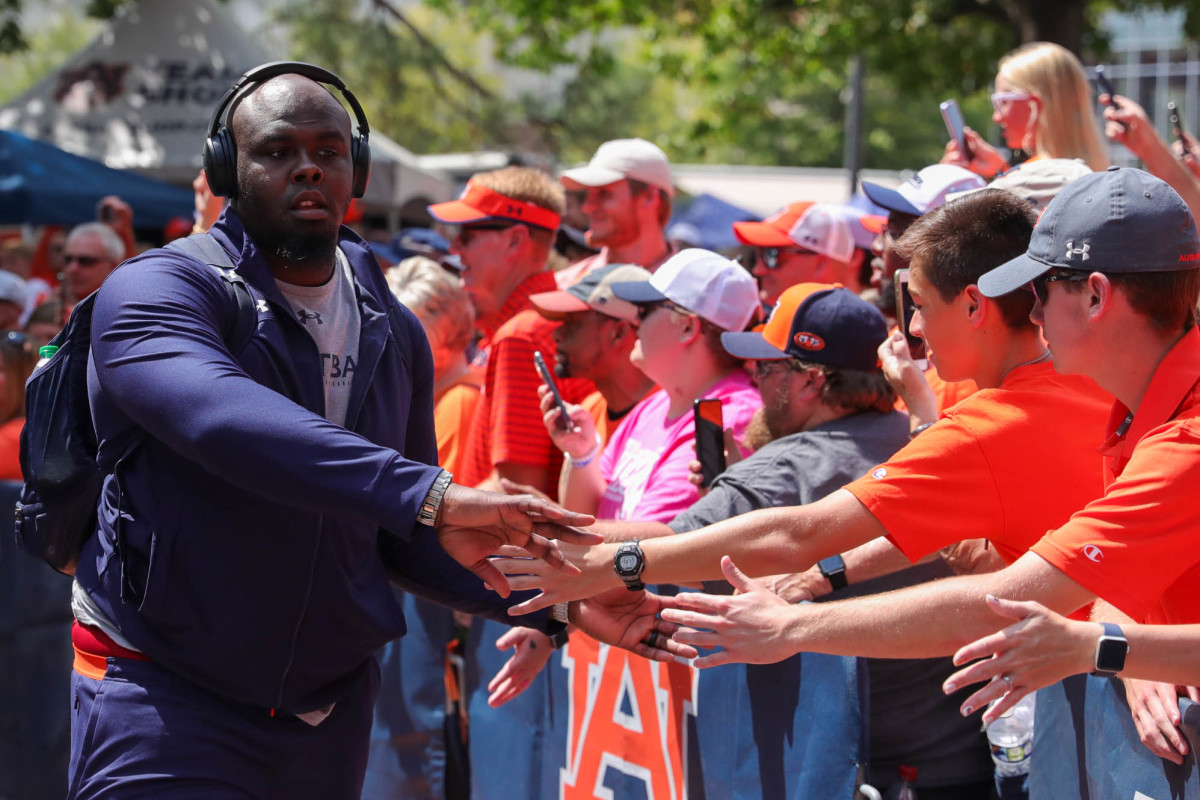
column 49, row 46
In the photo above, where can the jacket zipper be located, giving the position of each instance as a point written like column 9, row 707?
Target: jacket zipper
column 312, row 570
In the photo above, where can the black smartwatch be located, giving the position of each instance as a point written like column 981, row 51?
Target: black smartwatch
column 834, row 570
column 1111, row 650
column 557, row 625
column 628, row 562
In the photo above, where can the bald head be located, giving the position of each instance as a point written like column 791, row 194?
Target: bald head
column 269, row 100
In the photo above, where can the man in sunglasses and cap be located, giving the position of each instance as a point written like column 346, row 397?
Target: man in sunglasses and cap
column 507, row 220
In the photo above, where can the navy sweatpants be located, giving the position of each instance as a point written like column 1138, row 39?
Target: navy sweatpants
column 143, row 732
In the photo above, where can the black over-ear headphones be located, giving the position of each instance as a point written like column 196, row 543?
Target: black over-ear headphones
column 220, row 151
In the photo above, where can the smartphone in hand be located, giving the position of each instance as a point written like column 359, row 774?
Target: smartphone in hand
column 710, row 439
column 904, row 314
column 1106, row 87
column 952, row 115
column 564, row 419
column 1177, row 128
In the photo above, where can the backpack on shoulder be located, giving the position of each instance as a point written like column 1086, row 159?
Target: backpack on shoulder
column 56, row 512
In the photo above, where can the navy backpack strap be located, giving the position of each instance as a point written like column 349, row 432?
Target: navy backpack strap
column 203, row 247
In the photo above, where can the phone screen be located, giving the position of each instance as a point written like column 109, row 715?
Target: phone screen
column 564, row 418
column 710, row 439
column 1105, row 86
column 904, row 315
column 1177, row 127
column 953, row 117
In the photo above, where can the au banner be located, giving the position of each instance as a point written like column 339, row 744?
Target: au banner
column 1085, row 745
column 602, row 723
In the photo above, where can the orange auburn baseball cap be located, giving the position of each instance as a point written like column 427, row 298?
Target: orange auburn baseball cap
column 816, row 322
column 772, row 231
column 478, row 203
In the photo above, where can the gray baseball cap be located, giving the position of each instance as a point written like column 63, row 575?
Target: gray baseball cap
column 1120, row 220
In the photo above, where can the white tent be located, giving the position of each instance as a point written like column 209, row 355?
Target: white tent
column 141, row 97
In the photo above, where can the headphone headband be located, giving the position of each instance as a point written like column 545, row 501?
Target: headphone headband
column 273, row 69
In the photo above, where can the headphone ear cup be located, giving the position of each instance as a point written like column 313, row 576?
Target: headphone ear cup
column 220, row 163
column 360, row 153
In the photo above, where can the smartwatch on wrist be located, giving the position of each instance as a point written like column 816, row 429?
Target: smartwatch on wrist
column 628, row 563
column 1111, row 650
column 834, row 570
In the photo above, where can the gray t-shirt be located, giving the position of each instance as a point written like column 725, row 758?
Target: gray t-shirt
column 329, row 313
column 800, row 468
column 911, row 721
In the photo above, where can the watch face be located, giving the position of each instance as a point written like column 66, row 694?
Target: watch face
column 627, row 562
column 1110, row 654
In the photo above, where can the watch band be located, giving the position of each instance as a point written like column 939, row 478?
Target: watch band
column 1111, row 649
column 628, row 563
column 433, row 501
column 834, row 570
column 557, row 627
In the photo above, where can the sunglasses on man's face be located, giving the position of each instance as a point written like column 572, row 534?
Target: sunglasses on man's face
column 465, row 232
column 644, row 309
column 1039, row 284
column 83, row 261
column 770, row 255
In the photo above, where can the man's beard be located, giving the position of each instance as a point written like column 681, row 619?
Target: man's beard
column 886, row 301
column 303, row 249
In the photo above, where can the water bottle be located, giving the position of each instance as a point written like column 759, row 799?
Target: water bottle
column 45, row 353
column 1011, row 739
column 905, row 788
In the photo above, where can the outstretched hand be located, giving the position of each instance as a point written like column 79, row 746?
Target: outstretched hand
column 473, row 524
column 531, row 651
column 984, row 160
column 1040, row 649
column 630, row 620
column 591, row 573
column 749, row 625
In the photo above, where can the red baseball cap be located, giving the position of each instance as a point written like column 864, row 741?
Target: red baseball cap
column 478, row 203
column 772, row 231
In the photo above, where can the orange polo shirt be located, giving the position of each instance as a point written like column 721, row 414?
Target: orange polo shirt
column 1138, row 546
column 507, row 426
column 1006, row 464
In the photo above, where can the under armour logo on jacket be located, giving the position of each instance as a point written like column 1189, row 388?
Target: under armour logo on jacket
column 1072, row 250
column 305, row 316
column 261, row 305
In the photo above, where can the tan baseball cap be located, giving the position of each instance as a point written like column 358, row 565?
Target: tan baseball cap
column 594, row 292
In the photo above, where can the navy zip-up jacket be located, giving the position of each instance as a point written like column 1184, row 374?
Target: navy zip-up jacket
column 239, row 540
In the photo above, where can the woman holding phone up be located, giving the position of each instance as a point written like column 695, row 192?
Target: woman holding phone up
column 1043, row 105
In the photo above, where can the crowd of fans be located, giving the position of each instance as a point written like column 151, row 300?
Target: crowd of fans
column 848, row 459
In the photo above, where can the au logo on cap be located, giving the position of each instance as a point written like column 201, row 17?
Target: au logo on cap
column 808, row 341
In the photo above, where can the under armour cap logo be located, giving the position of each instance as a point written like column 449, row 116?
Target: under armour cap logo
column 1094, row 553
column 515, row 211
column 808, row 341
column 1072, row 250
column 305, row 316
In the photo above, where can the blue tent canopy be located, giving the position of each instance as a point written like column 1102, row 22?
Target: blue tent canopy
column 708, row 222
column 42, row 185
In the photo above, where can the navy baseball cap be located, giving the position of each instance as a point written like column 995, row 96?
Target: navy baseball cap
column 1121, row 220
column 817, row 322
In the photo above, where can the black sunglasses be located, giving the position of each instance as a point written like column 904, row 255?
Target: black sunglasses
column 466, row 231
column 1038, row 284
column 770, row 255
column 83, row 261
column 644, row 309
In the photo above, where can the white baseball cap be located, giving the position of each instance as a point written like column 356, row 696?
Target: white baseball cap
column 825, row 231
column 12, row 288
column 621, row 159
column 703, row 282
column 924, row 191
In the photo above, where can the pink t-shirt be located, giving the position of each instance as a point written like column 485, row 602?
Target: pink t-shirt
column 645, row 463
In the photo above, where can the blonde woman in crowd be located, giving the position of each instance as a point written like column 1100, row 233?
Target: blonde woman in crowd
column 1043, row 105
column 436, row 296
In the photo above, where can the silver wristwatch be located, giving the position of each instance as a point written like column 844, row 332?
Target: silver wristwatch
column 433, row 501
